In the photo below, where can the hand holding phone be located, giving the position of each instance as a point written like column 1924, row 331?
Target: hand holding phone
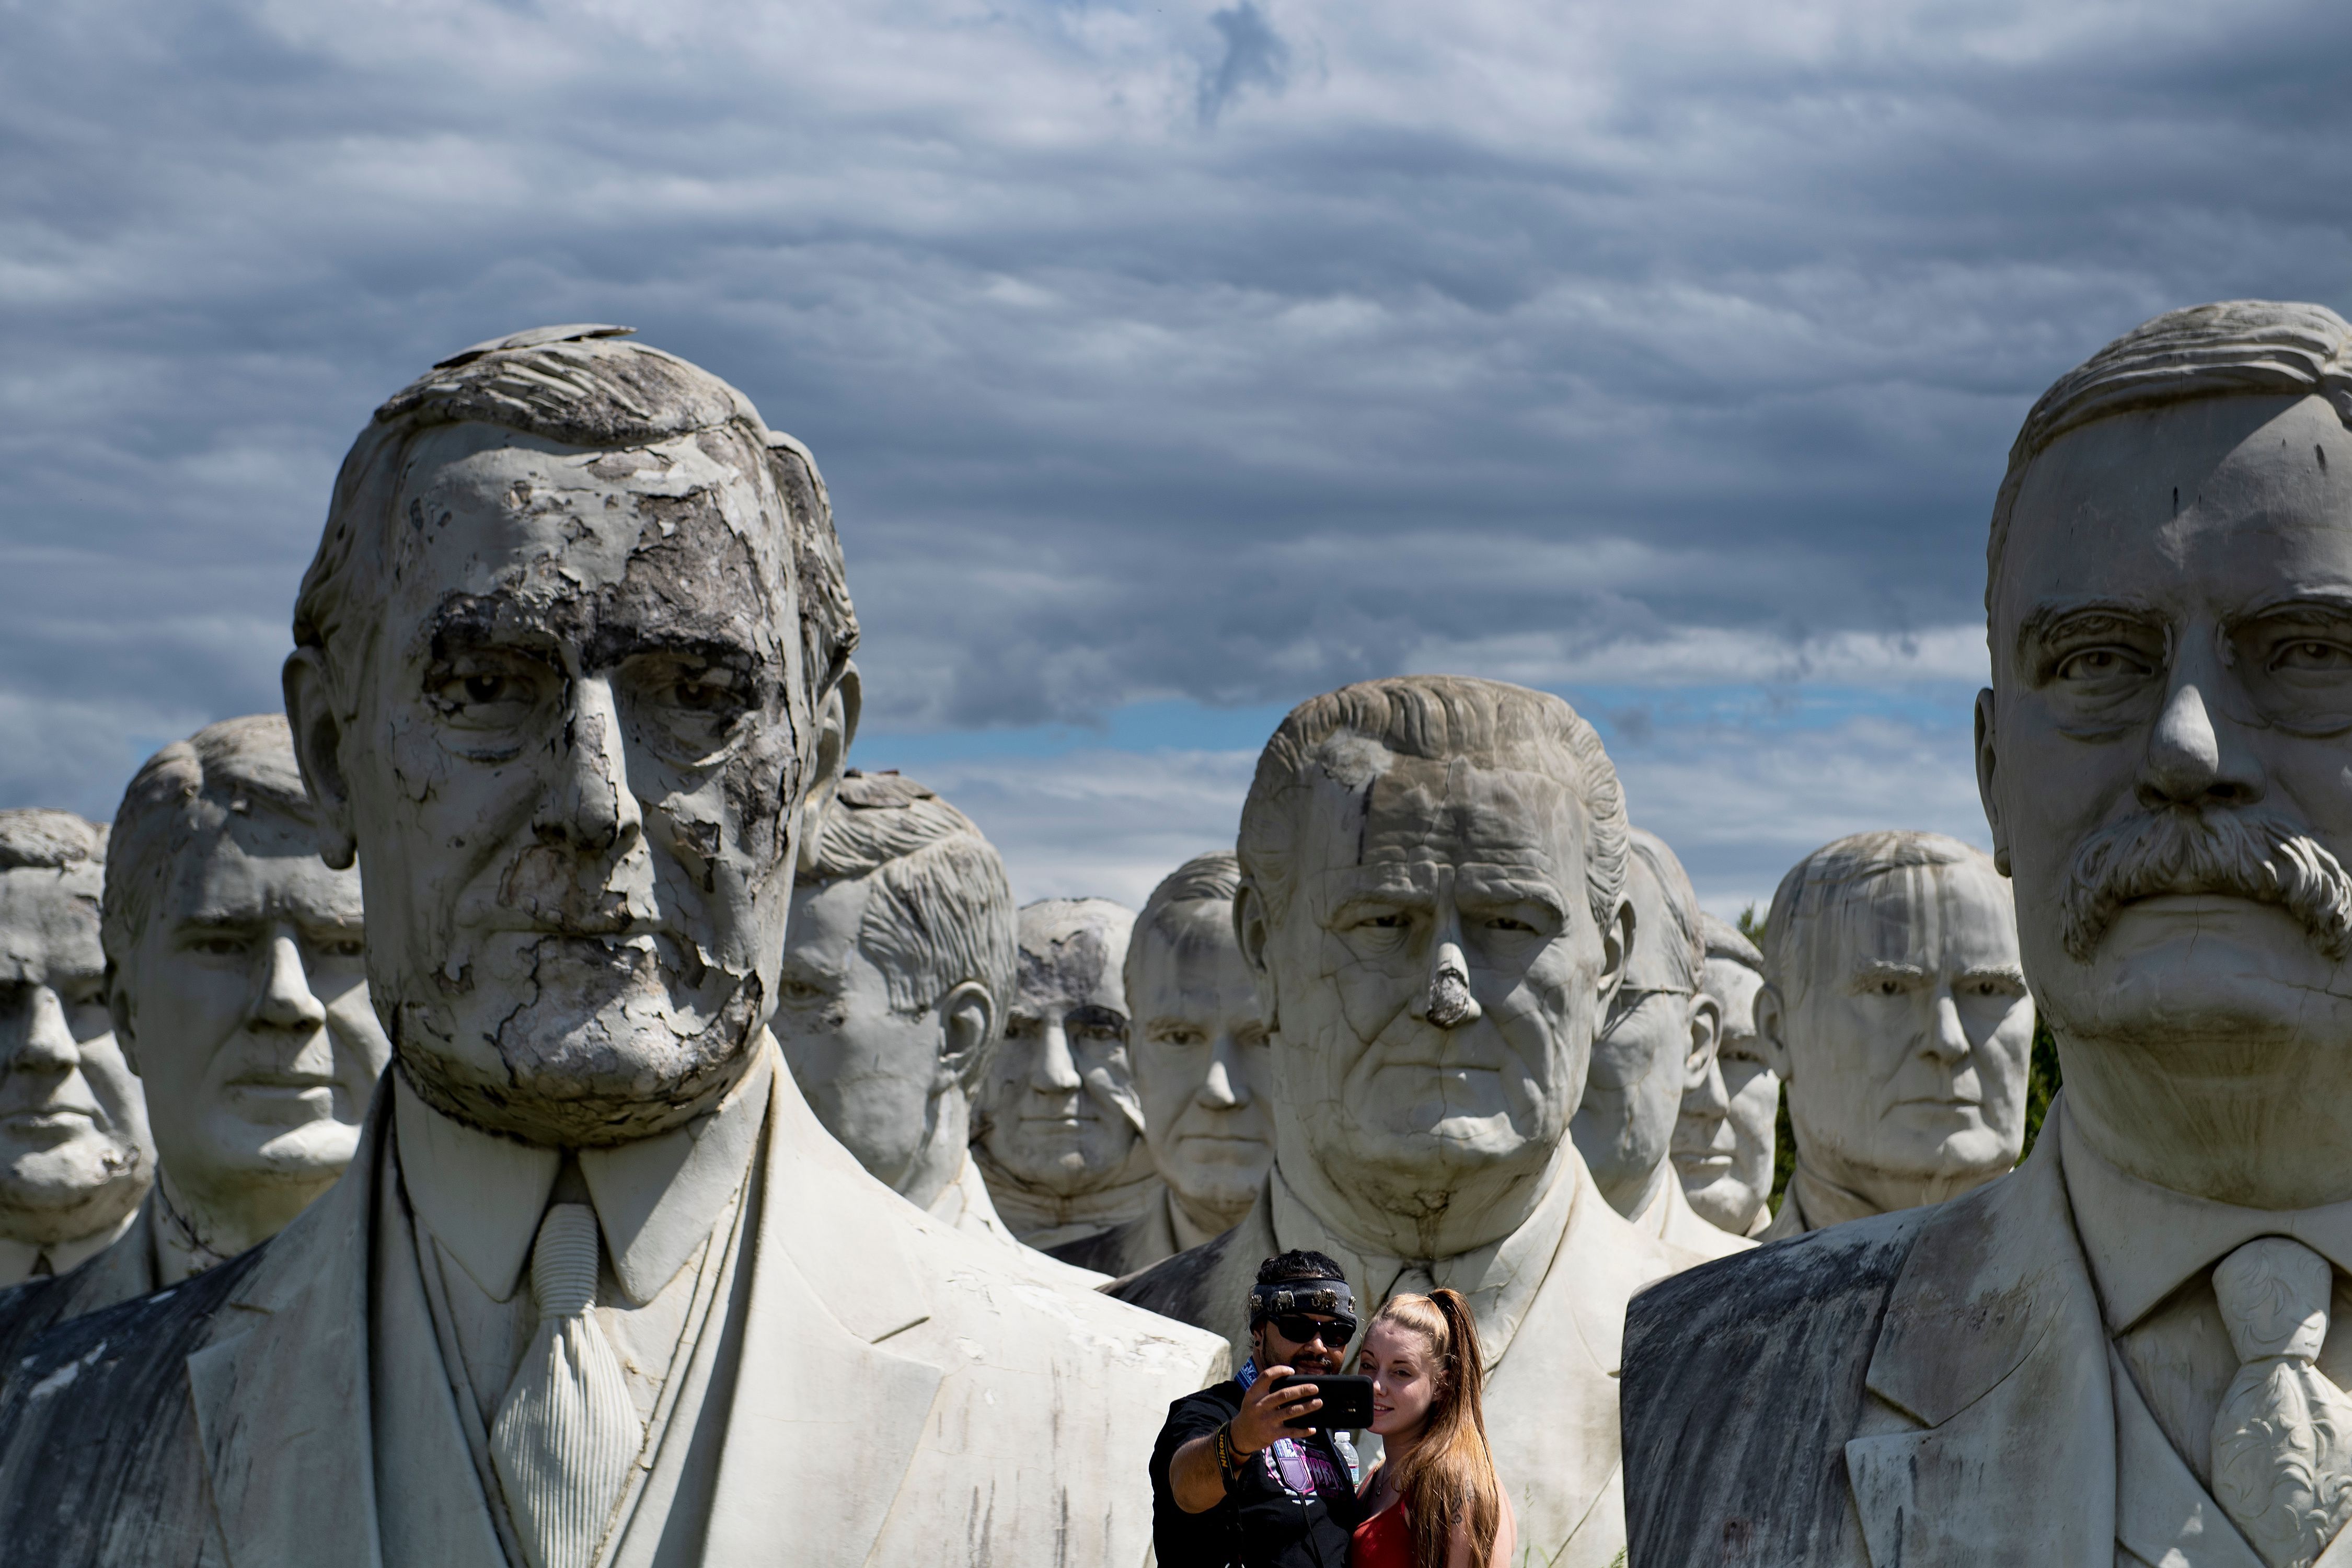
column 1347, row 1401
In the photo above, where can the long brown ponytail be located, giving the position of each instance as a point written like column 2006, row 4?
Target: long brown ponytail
column 1449, row 1477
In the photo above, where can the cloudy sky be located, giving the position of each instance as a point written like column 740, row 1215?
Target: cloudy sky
column 1168, row 363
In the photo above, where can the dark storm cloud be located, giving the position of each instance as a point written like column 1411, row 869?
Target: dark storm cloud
column 1669, row 343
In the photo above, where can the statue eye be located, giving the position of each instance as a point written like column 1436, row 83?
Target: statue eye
column 2096, row 665
column 2312, row 653
column 487, row 690
column 1386, row 922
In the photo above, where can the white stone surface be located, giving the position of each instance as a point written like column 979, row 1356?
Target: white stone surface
column 1199, row 1048
column 1433, row 902
column 1059, row 1134
column 560, row 679
column 1724, row 1140
column 239, row 991
column 897, row 967
column 2046, row 1362
column 75, row 1153
column 1657, row 1050
column 1895, row 1014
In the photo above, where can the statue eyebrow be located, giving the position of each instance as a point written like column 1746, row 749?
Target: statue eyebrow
column 2048, row 617
column 2330, row 604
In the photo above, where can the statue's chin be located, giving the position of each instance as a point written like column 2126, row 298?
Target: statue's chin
column 632, row 1066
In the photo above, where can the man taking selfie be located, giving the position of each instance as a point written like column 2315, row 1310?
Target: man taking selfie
column 1232, row 1484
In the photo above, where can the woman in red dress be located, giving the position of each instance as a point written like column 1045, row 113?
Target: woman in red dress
column 1435, row 1498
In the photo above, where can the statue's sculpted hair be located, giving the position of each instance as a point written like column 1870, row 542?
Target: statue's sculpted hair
column 1349, row 736
column 36, row 838
column 1819, row 885
column 2236, row 348
column 1684, row 943
column 942, row 909
column 1725, row 941
column 1210, row 879
column 584, row 386
column 193, row 786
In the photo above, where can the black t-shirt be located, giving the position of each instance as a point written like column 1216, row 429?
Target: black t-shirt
column 1294, row 1505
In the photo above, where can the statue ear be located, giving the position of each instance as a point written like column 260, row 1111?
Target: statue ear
column 125, row 1017
column 1771, row 1018
column 1616, row 953
column 318, row 748
column 1250, row 932
column 1986, row 760
column 1706, row 1039
column 836, row 728
column 967, row 1024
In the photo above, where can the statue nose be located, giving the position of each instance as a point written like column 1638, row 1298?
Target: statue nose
column 1450, row 1005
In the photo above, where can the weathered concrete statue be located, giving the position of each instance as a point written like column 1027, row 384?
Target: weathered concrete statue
column 1197, row 1045
column 1724, row 1140
column 1432, row 899
column 598, row 1288
column 75, row 1158
column 1059, row 1134
column 237, row 978
column 898, row 967
column 2132, row 1350
column 1895, row 1014
column 1658, row 1048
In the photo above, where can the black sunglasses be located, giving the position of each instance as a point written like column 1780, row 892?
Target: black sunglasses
column 1301, row 1329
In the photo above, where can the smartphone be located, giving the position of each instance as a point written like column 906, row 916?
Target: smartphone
column 1347, row 1401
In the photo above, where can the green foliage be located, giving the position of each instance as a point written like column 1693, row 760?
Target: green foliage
column 2041, row 1081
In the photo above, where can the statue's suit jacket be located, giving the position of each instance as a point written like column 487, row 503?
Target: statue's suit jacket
column 905, row 1394
column 126, row 1269
column 1934, row 1386
column 1551, row 1402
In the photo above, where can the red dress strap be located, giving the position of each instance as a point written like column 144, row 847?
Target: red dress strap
column 1384, row 1541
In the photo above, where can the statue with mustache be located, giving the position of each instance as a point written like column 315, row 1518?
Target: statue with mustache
column 2125, row 1351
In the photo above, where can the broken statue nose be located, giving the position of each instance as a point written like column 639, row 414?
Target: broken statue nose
column 1451, row 1006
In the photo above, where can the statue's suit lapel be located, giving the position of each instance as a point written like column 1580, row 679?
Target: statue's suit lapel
column 1992, row 1341
column 282, row 1409
column 824, row 1408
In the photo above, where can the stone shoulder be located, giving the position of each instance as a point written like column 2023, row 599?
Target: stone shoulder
column 110, row 1387
column 1743, row 1378
column 1176, row 1286
column 1038, row 1309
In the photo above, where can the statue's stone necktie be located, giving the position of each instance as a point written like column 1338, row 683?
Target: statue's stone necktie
column 2283, row 1437
column 568, row 1431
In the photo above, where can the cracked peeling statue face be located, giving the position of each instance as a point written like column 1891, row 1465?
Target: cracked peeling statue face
column 75, row 1158
column 1433, row 980
column 570, row 765
column 2163, row 759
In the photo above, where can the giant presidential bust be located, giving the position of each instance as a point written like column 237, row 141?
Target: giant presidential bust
column 597, row 1286
column 1895, row 1014
column 2131, row 1350
column 235, row 980
column 1432, row 899
column 75, row 1155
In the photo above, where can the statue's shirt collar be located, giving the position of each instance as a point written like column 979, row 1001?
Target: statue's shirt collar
column 657, row 1199
column 2143, row 1242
